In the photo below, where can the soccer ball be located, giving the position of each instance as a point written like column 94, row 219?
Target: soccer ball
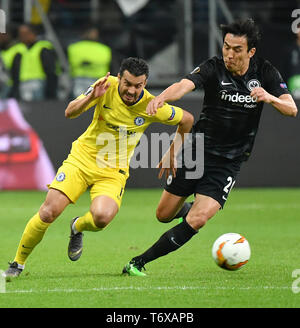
column 231, row 251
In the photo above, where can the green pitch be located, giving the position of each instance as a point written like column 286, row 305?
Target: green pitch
column 187, row 278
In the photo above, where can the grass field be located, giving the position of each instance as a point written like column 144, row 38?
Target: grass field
column 187, row 278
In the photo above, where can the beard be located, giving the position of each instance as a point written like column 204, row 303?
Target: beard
column 128, row 99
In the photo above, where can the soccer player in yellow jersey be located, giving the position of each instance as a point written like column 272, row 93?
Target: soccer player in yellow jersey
column 99, row 158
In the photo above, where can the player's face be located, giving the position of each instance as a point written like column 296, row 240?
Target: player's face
column 130, row 87
column 235, row 54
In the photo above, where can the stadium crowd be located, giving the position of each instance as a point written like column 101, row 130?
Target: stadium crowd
column 31, row 68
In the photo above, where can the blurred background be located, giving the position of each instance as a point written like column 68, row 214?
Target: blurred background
column 54, row 49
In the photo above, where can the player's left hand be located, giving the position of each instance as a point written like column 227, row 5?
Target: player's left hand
column 153, row 106
column 100, row 87
column 261, row 95
column 167, row 165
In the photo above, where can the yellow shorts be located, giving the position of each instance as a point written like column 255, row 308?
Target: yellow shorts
column 80, row 172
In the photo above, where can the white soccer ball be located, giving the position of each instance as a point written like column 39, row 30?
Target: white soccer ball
column 231, row 251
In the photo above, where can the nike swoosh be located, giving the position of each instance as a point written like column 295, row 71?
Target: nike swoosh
column 106, row 107
column 173, row 240
column 225, row 198
column 75, row 253
column 226, row 83
column 27, row 247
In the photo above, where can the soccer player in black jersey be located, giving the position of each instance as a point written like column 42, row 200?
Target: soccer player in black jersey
column 236, row 87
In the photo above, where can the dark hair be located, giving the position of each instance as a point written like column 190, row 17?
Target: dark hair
column 35, row 29
column 245, row 27
column 135, row 66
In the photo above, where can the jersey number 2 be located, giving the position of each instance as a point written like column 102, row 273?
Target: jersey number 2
column 229, row 185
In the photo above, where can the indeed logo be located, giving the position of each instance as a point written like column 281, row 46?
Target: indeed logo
column 237, row 98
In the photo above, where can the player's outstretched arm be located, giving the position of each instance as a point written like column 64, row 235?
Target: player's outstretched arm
column 167, row 165
column 172, row 93
column 284, row 104
column 77, row 106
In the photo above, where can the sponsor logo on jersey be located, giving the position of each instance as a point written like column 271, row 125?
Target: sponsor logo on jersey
column 238, row 99
column 139, row 121
column 253, row 84
column 120, row 129
column 283, row 85
column 60, row 177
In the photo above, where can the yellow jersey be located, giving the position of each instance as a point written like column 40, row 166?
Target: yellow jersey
column 116, row 128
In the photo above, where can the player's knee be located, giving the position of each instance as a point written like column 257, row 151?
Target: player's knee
column 163, row 215
column 102, row 218
column 197, row 219
column 48, row 212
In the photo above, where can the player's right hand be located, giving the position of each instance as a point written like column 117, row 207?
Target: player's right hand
column 100, row 87
column 167, row 165
column 153, row 105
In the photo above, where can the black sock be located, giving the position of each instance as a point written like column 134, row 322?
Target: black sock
column 183, row 211
column 168, row 242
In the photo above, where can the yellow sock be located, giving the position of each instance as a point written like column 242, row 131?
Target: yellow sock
column 32, row 235
column 86, row 223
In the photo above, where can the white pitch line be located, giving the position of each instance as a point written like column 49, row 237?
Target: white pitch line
column 101, row 289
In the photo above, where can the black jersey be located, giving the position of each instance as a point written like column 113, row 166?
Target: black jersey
column 230, row 116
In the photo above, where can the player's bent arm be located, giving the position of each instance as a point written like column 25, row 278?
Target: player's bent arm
column 174, row 92
column 77, row 106
column 177, row 90
column 285, row 104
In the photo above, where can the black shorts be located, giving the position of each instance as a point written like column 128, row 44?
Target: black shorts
column 219, row 176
